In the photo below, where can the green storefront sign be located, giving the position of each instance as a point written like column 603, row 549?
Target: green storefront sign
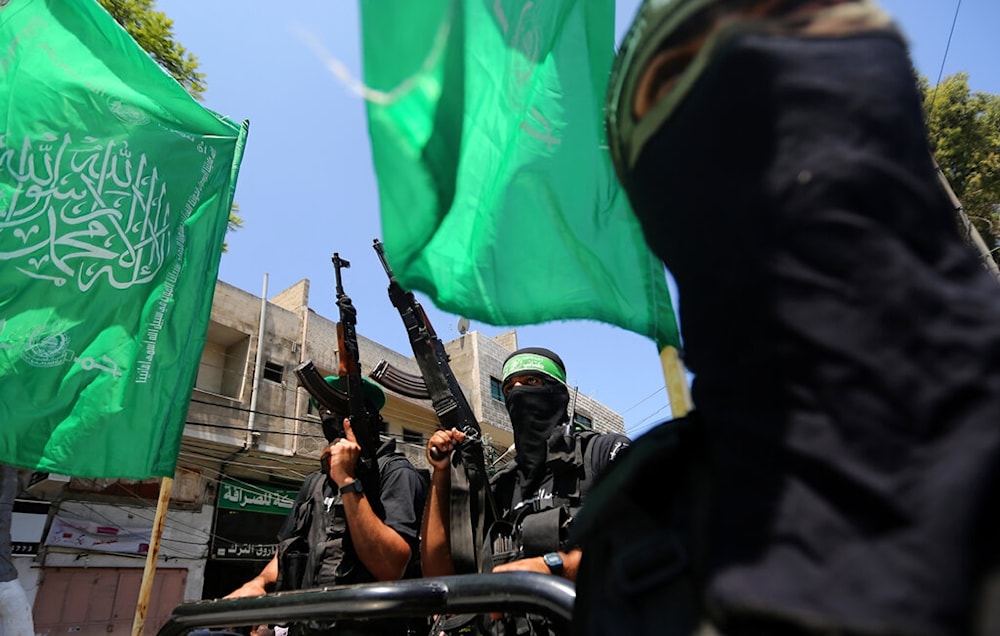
column 234, row 495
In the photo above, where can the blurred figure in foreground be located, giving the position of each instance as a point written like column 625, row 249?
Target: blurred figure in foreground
column 839, row 472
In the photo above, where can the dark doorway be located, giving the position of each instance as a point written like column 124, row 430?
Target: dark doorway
column 243, row 543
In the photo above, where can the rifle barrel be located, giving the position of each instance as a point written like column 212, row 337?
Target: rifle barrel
column 380, row 250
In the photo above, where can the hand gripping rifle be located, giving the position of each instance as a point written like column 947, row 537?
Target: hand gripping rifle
column 472, row 506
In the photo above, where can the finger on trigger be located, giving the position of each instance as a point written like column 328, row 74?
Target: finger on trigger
column 348, row 431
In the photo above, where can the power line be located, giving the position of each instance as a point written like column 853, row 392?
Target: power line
column 944, row 58
column 399, row 437
column 662, row 388
column 204, row 465
column 257, row 430
column 640, row 428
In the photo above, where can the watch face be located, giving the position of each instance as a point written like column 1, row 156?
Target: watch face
column 554, row 561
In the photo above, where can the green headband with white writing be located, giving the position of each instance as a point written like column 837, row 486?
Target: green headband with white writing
column 533, row 363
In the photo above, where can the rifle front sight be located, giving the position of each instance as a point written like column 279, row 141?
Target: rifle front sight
column 337, row 264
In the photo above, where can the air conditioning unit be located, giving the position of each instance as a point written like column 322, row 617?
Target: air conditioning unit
column 47, row 485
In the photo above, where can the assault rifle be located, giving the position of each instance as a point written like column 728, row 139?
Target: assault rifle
column 364, row 423
column 351, row 402
column 473, row 507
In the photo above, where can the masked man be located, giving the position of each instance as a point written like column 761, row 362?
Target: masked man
column 839, row 473
column 541, row 490
column 337, row 533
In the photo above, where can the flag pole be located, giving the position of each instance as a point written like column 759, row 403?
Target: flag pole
column 146, row 587
column 972, row 235
column 675, row 377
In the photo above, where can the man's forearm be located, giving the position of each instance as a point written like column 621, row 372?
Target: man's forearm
column 381, row 549
column 257, row 586
column 435, row 535
column 571, row 565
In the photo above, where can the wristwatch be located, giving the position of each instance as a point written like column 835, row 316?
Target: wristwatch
column 354, row 486
column 554, row 561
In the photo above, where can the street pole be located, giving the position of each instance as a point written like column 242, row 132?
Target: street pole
column 146, row 587
column 973, row 235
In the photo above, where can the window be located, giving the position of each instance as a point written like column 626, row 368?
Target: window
column 273, row 371
column 411, row 436
column 496, row 389
column 223, row 361
column 581, row 422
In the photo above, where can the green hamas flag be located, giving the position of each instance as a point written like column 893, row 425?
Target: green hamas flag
column 497, row 192
column 115, row 190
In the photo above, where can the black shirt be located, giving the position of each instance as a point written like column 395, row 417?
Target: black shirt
column 403, row 492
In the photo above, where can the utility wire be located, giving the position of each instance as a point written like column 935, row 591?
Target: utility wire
column 205, row 465
column 944, row 59
column 312, row 420
column 640, row 428
column 662, row 388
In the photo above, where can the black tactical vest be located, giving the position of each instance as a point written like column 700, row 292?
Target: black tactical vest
column 320, row 551
column 537, row 518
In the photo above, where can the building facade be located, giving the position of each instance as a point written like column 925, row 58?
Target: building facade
column 251, row 437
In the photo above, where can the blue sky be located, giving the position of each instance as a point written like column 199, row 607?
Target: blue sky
column 307, row 187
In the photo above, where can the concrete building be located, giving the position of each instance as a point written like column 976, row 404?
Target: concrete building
column 251, row 437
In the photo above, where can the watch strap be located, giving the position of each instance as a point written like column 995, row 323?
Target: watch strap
column 354, row 486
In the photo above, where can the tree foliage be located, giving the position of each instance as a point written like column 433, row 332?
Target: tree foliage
column 964, row 129
column 154, row 32
column 235, row 220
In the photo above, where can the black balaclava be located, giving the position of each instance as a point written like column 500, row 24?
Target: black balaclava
column 333, row 423
column 333, row 426
column 751, row 152
column 536, row 412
